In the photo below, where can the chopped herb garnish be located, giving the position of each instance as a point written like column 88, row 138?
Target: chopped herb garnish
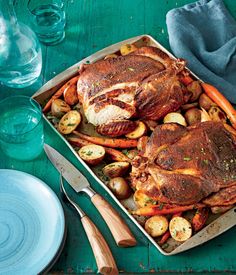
column 206, row 161
column 89, row 153
column 71, row 124
column 161, row 206
column 187, row 158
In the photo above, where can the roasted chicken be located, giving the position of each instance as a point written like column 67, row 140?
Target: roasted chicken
column 186, row 165
column 143, row 84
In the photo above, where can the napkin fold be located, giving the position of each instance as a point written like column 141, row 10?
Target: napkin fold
column 204, row 33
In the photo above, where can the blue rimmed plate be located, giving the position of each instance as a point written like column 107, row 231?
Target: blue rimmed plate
column 32, row 224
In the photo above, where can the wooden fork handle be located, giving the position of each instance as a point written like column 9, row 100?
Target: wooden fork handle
column 105, row 261
column 117, row 226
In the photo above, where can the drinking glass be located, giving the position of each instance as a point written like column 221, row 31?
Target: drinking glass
column 21, row 127
column 48, row 20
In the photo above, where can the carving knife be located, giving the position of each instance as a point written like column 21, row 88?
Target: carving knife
column 79, row 183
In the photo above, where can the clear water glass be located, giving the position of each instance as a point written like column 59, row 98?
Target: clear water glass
column 48, row 20
column 21, row 128
column 20, row 51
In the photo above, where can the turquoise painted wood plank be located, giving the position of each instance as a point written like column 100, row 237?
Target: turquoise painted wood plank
column 92, row 25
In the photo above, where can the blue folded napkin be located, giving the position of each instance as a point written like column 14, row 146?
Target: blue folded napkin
column 204, row 33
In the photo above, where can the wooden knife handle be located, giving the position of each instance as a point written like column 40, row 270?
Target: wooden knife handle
column 119, row 229
column 105, row 261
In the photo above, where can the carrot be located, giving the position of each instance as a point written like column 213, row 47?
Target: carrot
column 116, row 155
column 112, row 153
column 109, row 142
column 166, row 236
column 221, row 101
column 60, row 92
column 200, row 218
column 186, row 80
column 152, row 210
column 78, row 141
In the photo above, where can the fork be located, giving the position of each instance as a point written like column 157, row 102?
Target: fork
column 104, row 259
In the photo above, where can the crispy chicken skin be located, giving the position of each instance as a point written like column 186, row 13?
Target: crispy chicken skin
column 188, row 164
column 139, row 85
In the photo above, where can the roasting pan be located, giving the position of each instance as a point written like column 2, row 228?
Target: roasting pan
column 218, row 224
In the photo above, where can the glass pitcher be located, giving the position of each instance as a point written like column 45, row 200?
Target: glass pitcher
column 20, row 51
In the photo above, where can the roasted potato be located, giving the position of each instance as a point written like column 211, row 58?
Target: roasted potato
column 141, row 199
column 139, row 131
column 180, row 229
column 151, row 124
column 59, row 107
column 92, row 154
column 120, row 188
column 216, row 114
column 156, row 225
column 116, row 169
column 196, row 89
column 187, row 106
column 127, row 48
column 175, row 117
column 193, row 116
column 205, row 102
column 113, row 55
column 69, row 122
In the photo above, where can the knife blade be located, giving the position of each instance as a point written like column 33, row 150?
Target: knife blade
column 79, row 183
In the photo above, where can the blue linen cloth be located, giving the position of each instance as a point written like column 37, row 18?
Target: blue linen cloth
column 204, row 33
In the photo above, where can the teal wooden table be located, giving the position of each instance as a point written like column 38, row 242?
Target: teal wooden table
column 92, row 25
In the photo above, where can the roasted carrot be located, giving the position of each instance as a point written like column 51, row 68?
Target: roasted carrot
column 221, row 101
column 230, row 129
column 200, row 218
column 112, row 153
column 108, row 142
column 166, row 236
column 60, row 92
column 78, row 141
column 152, row 210
column 116, row 155
column 186, row 79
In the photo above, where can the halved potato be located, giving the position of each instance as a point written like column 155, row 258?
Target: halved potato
column 175, row 117
column 113, row 55
column 92, row 154
column 196, row 89
column 120, row 188
column 59, row 107
column 139, row 131
column 116, row 169
column 156, row 225
column 216, row 114
column 69, row 122
column 151, row 124
column 180, row 229
column 205, row 102
column 141, row 199
column 193, row 116
column 187, row 106
column 127, row 48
